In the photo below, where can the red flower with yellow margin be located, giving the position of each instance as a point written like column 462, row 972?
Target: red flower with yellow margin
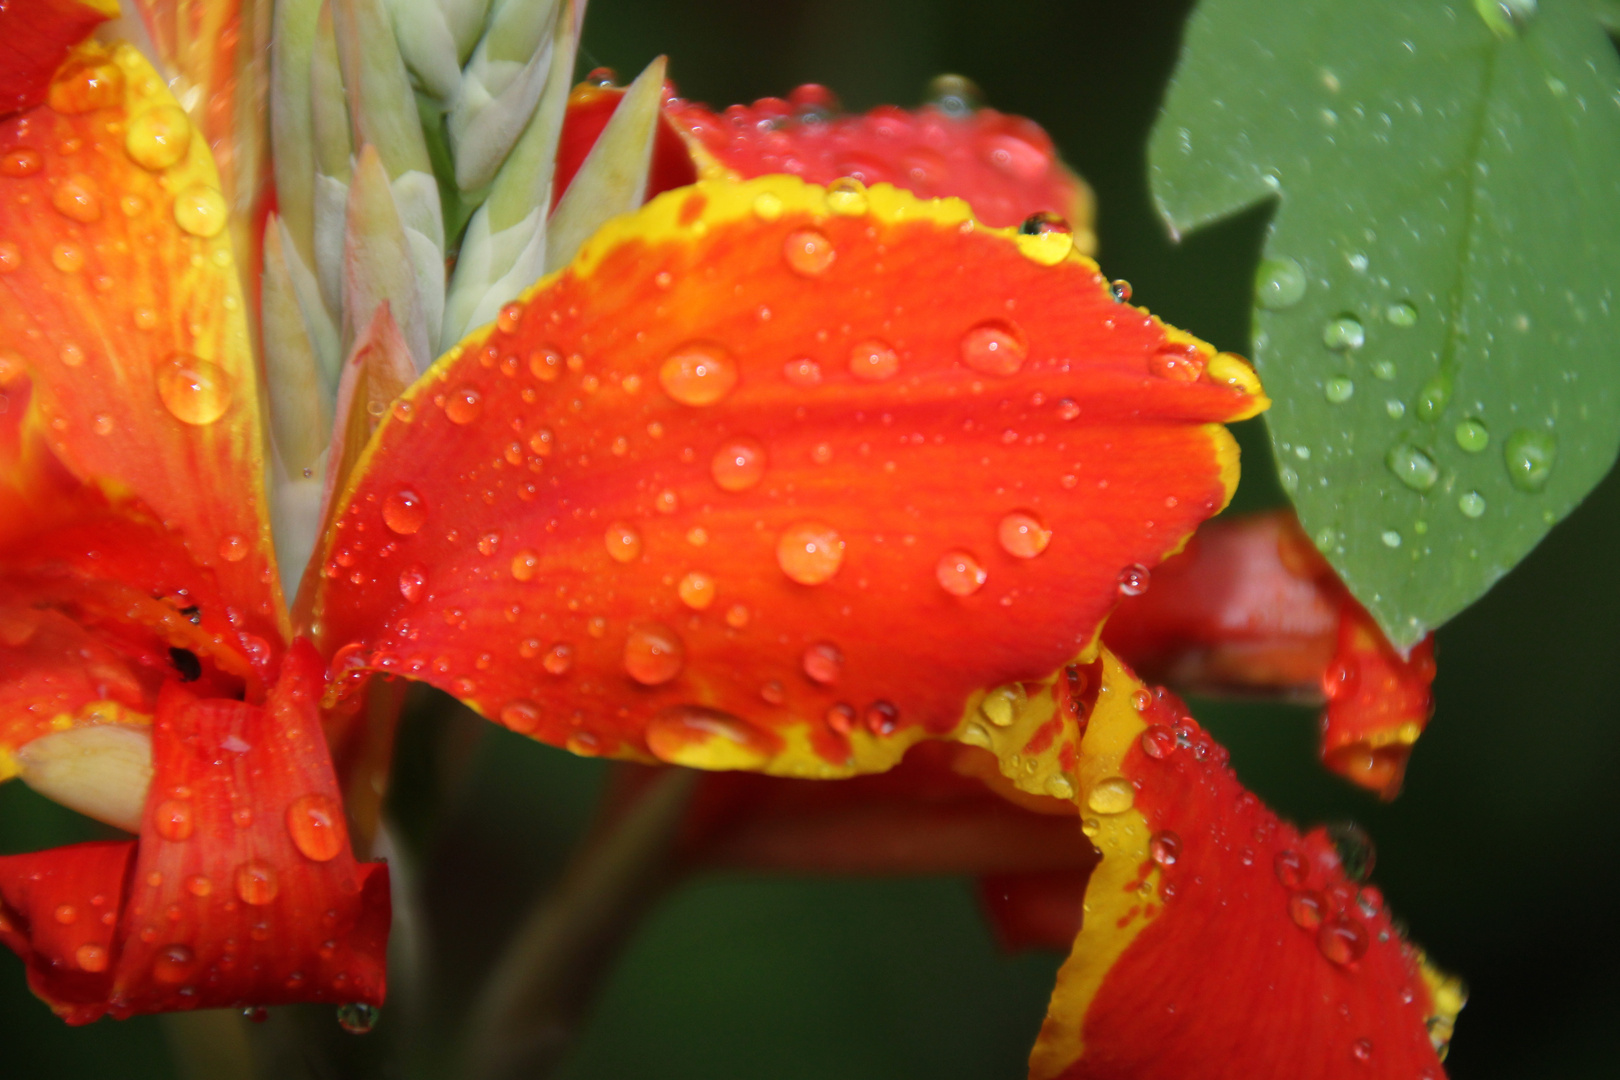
column 790, row 470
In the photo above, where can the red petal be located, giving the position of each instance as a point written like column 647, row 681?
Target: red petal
column 243, row 891
column 1217, row 940
column 58, row 912
column 1251, row 606
column 1004, row 166
column 1039, row 910
column 35, row 37
column 119, row 301
column 544, row 531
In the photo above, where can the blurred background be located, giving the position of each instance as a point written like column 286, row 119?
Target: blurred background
column 1500, row 855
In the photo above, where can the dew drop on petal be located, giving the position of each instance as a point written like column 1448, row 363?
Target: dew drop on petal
column 1291, row 868
column 802, row 371
column 822, row 662
column 525, row 564
column 201, row 211
column 1305, row 908
column 698, row 374
column 809, row 552
column 873, row 360
column 412, row 581
column 1023, row 535
column 959, row 573
column 847, row 197
column 1134, row 580
column 158, row 137
column 233, row 548
column 808, row 252
column 194, row 391
column 738, row 464
column 77, row 199
column 1114, row 795
column 653, row 653
column 404, row 512
column 696, row 590
column 1165, row 848
column 558, row 659
column 520, row 715
column 1342, row 940
column 315, row 824
column 173, row 819
column 623, row 542
column 256, row 882
column 173, row 964
column 994, row 347
column 1158, row 742
column 90, row 957
column 462, row 405
column 21, row 161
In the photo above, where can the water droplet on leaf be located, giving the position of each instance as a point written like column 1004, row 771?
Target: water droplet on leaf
column 1278, row 284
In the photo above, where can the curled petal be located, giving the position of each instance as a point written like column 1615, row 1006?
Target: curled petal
column 775, row 477
column 35, row 38
column 242, row 889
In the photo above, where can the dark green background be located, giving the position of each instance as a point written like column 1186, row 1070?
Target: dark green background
column 1500, row 854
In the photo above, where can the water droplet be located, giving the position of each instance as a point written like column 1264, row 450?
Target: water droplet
column 1472, row 435
column 404, row 512
column 68, row 258
column 158, row 137
column 1120, row 290
column 525, row 564
column 1412, row 466
column 873, row 360
column 194, row 391
column 173, row 819
column 1305, row 908
column 959, row 573
column 520, row 715
column 1115, row 795
column 823, row 662
column 739, row 464
column 1165, row 848
column 20, row 161
column 698, row 374
column 882, row 718
column 1391, row 538
column 623, row 542
column 954, row 95
column 509, row 319
column 841, row 718
column 1179, row 361
column 1134, row 580
column 773, row 692
column 1291, row 867
column 1002, row 705
column 412, row 580
column 173, row 964
column 1023, row 535
column 1395, row 408
column 71, row 355
column 847, row 197
column 1355, row 848
column 1362, row 1050
column 707, row 738
column 1401, row 314
column 696, row 590
column 1529, row 456
column 1344, row 334
column 357, row 1018
column 802, row 371
column 315, row 823
column 809, row 552
column 1342, row 940
column 653, row 653
column 1045, row 238
column 808, row 252
column 1158, row 742
column 993, row 347
column 90, row 957
column 77, row 199
column 1278, row 284
column 1434, row 396
column 66, row 914
column 1471, row 503
column 462, row 405
column 1338, row 390
column 559, row 658
column 256, row 882
column 201, row 211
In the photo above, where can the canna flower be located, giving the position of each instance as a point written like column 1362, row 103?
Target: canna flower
column 777, row 440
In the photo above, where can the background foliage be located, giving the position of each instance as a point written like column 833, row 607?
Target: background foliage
column 1499, row 854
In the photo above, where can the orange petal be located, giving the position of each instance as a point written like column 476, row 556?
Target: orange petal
column 35, row 37
column 120, row 307
column 1218, row 941
column 723, row 490
column 243, row 890
column 1251, row 607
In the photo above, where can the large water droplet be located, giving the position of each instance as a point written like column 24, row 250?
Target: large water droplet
column 954, row 95
column 1045, row 238
column 315, row 823
column 194, row 391
column 623, row 542
column 1529, row 456
column 1279, row 283
column 463, row 404
column 809, row 552
column 174, row 819
column 173, row 964
column 994, row 347
column 1134, row 580
column 404, row 512
column 256, row 882
column 873, row 360
column 1023, row 535
column 1401, row 314
column 1472, row 435
column 823, row 662
column 357, row 1018
column 201, row 211
column 20, row 161
column 559, row 658
column 1471, row 503
column 653, row 653
column 1164, row 848
column 1115, row 795
column 847, row 196
column 1305, row 908
column 959, row 573
column 77, row 199
column 1291, row 868
column 1338, row 390
column 1342, row 940
column 520, row 715
column 699, row 373
column 412, row 582
column 707, row 738
column 158, row 137
column 808, row 252
column 90, row 957
column 739, row 464
column 1344, row 334
column 696, row 590
column 1412, row 466
column 1002, row 705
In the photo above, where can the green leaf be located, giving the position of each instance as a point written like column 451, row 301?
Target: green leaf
column 1435, row 309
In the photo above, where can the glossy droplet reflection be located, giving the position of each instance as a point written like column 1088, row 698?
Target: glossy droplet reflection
column 873, row 360
column 1344, row 334
column 808, row 252
column 993, row 347
column 847, row 197
column 653, row 653
column 809, row 552
column 698, row 374
column 173, row 964
column 404, row 512
column 315, row 823
column 201, row 211
column 696, row 590
column 1023, row 535
column 194, row 391
column 1471, row 503
column 738, row 464
column 623, row 542
column 1412, row 466
column 1278, row 284
column 1115, row 795
column 463, row 405
column 174, row 819
column 1134, row 580
column 256, row 882
column 158, row 137
column 822, row 663
column 959, row 573
column 1529, row 457
column 520, row 715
